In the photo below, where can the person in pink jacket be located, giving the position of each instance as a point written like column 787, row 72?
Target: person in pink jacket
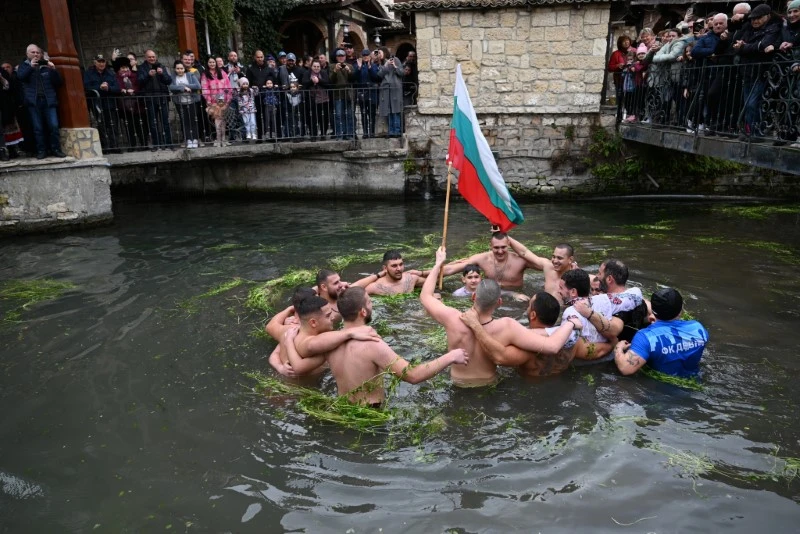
column 215, row 84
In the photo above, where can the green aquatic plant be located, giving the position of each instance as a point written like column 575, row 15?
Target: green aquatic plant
column 660, row 226
column 29, row 292
column 360, row 228
column 336, row 410
column 710, row 240
column 778, row 249
column 340, row 263
column 395, row 301
column 759, row 212
column 268, row 249
column 687, row 383
column 382, row 327
column 225, row 246
column 264, row 297
column 192, row 304
column 436, row 339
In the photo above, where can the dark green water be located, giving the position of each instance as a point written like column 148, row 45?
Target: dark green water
column 121, row 412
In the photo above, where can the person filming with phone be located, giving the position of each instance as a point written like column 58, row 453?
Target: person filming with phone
column 39, row 79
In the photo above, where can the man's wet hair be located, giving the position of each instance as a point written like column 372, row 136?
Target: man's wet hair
column 351, row 301
column 309, row 306
column 300, row 293
column 546, row 307
column 617, row 270
column 568, row 247
column 486, row 294
column 323, row 274
column 499, row 235
column 392, row 255
column 578, row 279
column 471, row 268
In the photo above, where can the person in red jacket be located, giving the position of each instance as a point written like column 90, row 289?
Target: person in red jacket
column 616, row 64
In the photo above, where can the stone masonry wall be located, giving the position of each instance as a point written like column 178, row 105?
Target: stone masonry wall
column 535, row 77
column 129, row 26
column 545, row 60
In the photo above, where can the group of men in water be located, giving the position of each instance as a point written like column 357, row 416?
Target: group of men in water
column 603, row 319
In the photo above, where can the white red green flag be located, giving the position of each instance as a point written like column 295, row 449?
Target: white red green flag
column 479, row 179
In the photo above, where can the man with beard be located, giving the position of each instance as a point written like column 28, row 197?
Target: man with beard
column 313, row 339
column 393, row 279
column 542, row 314
column 329, row 286
column 497, row 264
column 358, row 366
column 618, row 312
column 574, row 287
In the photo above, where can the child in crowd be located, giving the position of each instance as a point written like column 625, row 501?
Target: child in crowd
column 216, row 112
column 270, row 100
column 470, row 277
column 629, row 86
column 294, row 118
column 247, row 108
column 639, row 69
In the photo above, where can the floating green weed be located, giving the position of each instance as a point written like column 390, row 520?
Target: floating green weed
column 709, row 240
column 382, row 327
column 687, row 383
column 340, row 263
column 689, row 463
column 270, row 249
column 759, row 212
column 225, row 247
column 589, row 380
column 336, row 410
column 265, row 296
column 29, row 292
column 395, row 301
column 436, row 339
column 660, row 226
column 360, row 228
column 192, row 304
column 615, row 237
column 778, row 249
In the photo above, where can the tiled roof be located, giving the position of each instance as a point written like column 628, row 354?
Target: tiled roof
column 431, row 5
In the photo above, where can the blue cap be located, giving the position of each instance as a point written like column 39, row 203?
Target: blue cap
column 281, row 54
column 291, row 56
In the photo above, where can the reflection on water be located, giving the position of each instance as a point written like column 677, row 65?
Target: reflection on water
column 124, row 411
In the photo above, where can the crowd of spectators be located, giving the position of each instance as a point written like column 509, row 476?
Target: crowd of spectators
column 138, row 104
column 711, row 75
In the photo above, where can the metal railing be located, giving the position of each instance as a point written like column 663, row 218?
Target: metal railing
column 193, row 120
column 755, row 102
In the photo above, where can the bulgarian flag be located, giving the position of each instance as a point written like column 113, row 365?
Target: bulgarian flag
column 479, row 179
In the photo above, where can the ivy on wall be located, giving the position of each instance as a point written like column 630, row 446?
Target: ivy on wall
column 259, row 21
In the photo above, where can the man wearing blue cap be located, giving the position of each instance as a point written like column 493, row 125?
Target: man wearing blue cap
column 670, row 345
column 341, row 77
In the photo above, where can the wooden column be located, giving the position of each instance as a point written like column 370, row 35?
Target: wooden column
column 72, row 111
column 187, row 30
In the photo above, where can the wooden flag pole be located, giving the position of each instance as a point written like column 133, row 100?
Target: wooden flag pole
column 446, row 214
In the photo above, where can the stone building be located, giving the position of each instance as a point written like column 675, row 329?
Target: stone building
column 535, row 72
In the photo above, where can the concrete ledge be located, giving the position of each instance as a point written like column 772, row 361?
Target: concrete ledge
column 38, row 195
column 765, row 155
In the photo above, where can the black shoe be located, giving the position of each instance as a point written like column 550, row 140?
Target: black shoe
column 41, row 155
column 4, row 155
column 58, row 154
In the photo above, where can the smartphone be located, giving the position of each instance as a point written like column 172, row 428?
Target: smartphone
column 46, row 57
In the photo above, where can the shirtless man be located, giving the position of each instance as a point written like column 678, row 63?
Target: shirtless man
column 329, row 286
column 315, row 336
column 392, row 279
column 505, row 330
column 358, row 366
column 543, row 312
column 497, row 264
column 563, row 260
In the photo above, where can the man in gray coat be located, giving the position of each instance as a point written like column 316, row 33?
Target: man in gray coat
column 391, row 91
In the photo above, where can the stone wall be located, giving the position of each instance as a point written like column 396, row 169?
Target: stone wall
column 550, row 59
column 129, row 26
column 45, row 196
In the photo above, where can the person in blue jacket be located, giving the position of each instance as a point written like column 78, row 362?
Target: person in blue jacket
column 39, row 79
column 670, row 345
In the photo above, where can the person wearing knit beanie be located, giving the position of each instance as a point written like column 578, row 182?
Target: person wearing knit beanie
column 642, row 49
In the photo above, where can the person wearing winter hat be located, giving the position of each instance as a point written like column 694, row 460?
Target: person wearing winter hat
column 670, row 345
column 246, row 105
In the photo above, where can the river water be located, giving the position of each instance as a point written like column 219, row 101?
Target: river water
column 125, row 411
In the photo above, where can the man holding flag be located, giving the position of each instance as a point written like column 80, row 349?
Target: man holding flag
column 480, row 183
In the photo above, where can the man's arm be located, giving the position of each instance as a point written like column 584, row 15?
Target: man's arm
column 532, row 342
column 275, row 326
column 608, row 327
column 628, row 362
column 370, row 279
column 531, row 259
column 327, row 341
column 299, row 364
column 500, row 354
column 283, row 369
column 458, row 265
column 440, row 312
column 386, row 358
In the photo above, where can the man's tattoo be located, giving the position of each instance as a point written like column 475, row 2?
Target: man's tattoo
column 632, row 359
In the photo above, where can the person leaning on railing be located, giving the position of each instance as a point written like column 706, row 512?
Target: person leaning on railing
column 316, row 83
column 754, row 44
column 391, row 91
column 154, row 81
column 131, row 108
column 103, row 82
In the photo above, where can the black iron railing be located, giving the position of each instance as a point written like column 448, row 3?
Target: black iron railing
column 754, row 102
column 193, row 120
